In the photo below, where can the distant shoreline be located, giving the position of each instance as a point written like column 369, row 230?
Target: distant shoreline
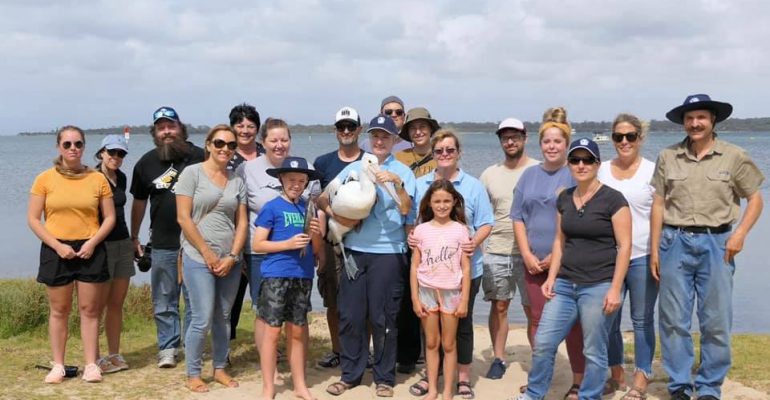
column 730, row 125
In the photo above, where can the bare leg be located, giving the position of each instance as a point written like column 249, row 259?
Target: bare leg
column 296, row 338
column 449, row 344
column 60, row 304
column 333, row 321
column 267, row 358
column 499, row 313
column 90, row 297
column 432, row 329
column 618, row 375
column 530, row 327
column 113, row 321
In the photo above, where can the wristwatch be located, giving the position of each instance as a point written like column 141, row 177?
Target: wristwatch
column 235, row 257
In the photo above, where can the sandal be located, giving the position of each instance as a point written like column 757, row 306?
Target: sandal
column 635, row 393
column 384, row 390
column 572, row 393
column 226, row 380
column 338, row 388
column 196, row 385
column 612, row 386
column 418, row 389
column 465, row 390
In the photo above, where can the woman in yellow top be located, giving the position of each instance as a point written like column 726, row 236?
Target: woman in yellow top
column 70, row 196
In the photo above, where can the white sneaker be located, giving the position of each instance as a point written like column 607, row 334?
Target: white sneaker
column 167, row 358
column 118, row 362
column 92, row 374
column 106, row 365
column 56, row 375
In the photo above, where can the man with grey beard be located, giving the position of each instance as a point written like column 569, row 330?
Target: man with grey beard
column 155, row 175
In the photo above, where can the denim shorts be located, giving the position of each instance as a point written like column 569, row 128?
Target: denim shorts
column 502, row 275
column 284, row 300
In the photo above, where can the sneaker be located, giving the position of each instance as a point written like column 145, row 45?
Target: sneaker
column 680, row 394
column 92, row 374
column 497, row 369
column 118, row 362
column 106, row 366
column 56, row 375
column 329, row 360
column 167, row 358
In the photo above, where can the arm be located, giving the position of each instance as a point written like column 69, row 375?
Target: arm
column 556, row 252
column 260, row 244
column 403, row 195
column 138, row 208
column 225, row 264
column 462, row 308
column 621, row 227
column 107, row 207
column 656, row 227
column 734, row 243
column 531, row 261
column 419, row 309
column 478, row 238
column 191, row 232
column 34, row 212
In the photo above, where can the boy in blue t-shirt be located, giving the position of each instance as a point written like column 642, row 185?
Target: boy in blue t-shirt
column 287, row 271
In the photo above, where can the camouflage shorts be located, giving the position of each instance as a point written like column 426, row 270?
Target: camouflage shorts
column 284, row 300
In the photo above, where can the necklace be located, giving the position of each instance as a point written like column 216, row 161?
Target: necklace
column 582, row 209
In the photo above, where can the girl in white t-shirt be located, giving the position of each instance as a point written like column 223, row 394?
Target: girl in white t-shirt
column 440, row 278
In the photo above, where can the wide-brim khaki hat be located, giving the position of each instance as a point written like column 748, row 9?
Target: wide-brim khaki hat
column 416, row 114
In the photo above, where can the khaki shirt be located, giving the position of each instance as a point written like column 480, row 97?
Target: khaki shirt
column 704, row 192
column 411, row 159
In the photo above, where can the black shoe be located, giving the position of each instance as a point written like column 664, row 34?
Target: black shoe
column 329, row 360
column 405, row 368
column 707, row 397
column 497, row 369
column 680, row 394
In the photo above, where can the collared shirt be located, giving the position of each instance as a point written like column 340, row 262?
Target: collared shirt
column 382, row 232
column 478, row 209
column 704, row 192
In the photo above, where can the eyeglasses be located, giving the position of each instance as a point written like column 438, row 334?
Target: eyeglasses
column 389, row 112
column 512, row 138
column 346, row 126
column 445, row 150
column 574, row 160
column 78, row 145
column 219, row 143
column 165, row 113
column 630, row 137
column 116, row 153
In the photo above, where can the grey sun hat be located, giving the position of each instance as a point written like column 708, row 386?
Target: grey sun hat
column 416, row 114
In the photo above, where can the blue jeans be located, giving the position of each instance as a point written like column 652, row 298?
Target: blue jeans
column 692, row 265
column 643, row 293
column 254, row 268
column 211, row 299
column 165, row 298
column 572, row 303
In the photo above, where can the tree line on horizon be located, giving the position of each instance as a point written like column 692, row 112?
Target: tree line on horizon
column 732, row 125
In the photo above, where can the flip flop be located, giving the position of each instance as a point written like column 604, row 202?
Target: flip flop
column 226, row 380
column 196, row 385
column 417, row 389
column 338, row 388
column 384, row 390
column 572, row 393
column 635, row 393
column 465, row 390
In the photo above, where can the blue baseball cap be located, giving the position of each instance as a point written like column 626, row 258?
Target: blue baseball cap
column 111, row 142
column 585, row 144
column 165, row 113
column 383, row 122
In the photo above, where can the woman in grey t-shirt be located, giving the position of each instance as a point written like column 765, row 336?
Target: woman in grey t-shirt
column 211, row 209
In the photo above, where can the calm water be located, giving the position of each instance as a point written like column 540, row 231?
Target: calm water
column 24, row 157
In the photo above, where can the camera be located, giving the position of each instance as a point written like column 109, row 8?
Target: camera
column 145, row 261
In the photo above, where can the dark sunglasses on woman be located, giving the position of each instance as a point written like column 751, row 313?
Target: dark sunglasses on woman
column 219, row 143
column 116, row 153
column 78, row 145
column 630, row 137
column 575, row 160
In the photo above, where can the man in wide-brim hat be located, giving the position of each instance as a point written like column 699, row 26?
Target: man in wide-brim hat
column 698, row 185
column 418, row 129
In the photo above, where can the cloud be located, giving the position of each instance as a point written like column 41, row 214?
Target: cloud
column 102, row 63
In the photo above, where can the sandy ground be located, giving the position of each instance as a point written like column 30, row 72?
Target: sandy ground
column 518, row 358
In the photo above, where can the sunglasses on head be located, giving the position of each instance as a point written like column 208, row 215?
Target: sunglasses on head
column 630, row 137
column 116, row 153
column 219, row 143
column 575, row 160
column 444, row 150
column 397, row 111
column 346, row 126
column 78, row 144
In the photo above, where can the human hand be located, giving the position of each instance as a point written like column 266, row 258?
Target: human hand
column 462, row 310
column 531, row 263
column 411, row 240
column 86, row 250
column 733, row 246
column 612, row 301
column 419, row 308
column 65, row 251
column 547, row 289
column 211, row 259
column 223, row 267
column 545, row 263
column 298, row 241
column 468, row 247
column 138, row 248
column 315, row 226
column 386, row 176
column 655, row 265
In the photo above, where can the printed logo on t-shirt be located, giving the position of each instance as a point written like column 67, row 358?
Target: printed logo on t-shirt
column 293, row 219
column 166, row 180
column 444, row 257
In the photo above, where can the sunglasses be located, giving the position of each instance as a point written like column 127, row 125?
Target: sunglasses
column 116, row 153
column 78, row 145
column 219, row 143
column 446, row 150
column 389, row 112
column 343, row 127
column 574, row 160
column 630, row 137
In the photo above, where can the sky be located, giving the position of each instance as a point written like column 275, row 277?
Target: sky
column 112, row 63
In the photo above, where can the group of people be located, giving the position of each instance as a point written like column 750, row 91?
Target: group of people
column 572, row 233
